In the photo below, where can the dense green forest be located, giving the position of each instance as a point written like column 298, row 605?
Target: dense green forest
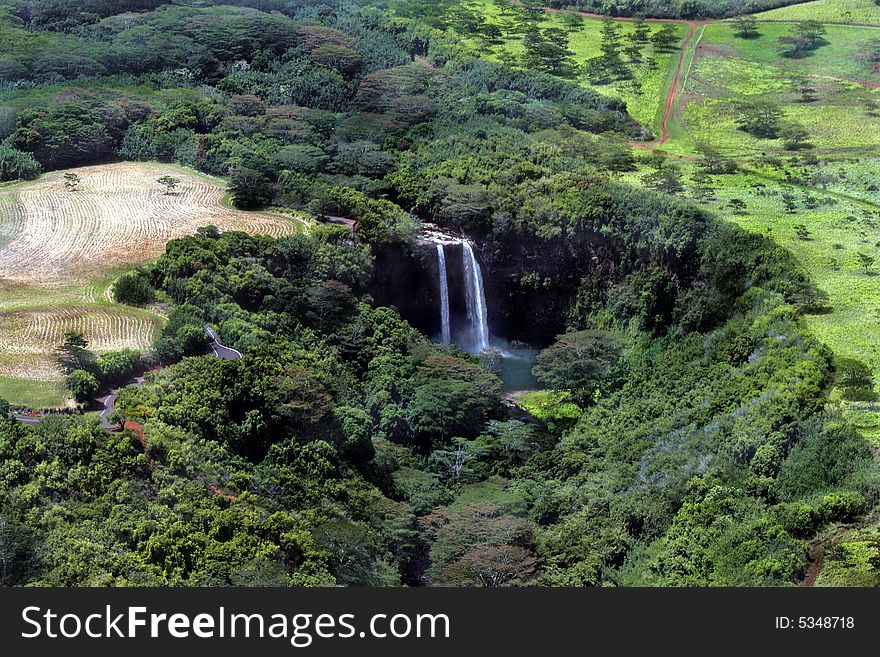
column 681, row 439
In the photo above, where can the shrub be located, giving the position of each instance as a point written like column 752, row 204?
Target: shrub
column 134, row 289
column 82, row 386
column 844, row 506
column 828, row 451
column 15, row 165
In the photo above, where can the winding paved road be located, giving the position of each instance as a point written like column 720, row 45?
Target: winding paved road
column 217, row 348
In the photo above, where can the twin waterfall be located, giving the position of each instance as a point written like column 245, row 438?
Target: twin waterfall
column 475, row 296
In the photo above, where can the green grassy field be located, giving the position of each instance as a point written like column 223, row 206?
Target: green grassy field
column 840, row 226
column 843, row 11
column 728, row 70
column 32, row 393
column 838, row 232
column 645, row 102
column 837, row 197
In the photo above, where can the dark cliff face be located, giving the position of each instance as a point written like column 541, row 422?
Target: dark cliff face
column 408, row 279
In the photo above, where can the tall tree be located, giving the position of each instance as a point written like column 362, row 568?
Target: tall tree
column 666, row 38
column 548, row 51
column 666, row 179
column 806, row 37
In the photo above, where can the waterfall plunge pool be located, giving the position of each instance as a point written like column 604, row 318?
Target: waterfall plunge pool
column 513, row 365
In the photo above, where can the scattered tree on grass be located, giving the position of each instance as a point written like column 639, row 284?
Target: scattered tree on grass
column 609, row 65
column 873, row 50
column 856, row 379
column 806, row 90
column 812, row 31
column 802, row 231
column 611, row 47
column 811, row 202
column 794, row 136
column 760, row 118
column 666, row 179
column 170, row 183
column 789, row 200
column 737, row 205
column 746, row 27
column 71, row 182
column 641, row 32
column 810, row 299
column 666, row 38
column 865, row 261
column 702, row 189
column 637, row 40
column 548, row 51
column 712, row 161
column 807, row 36
column 572, row 20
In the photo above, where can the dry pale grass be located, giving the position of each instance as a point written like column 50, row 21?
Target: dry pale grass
column 59, row 251
column 119, row 216
column 29, row 338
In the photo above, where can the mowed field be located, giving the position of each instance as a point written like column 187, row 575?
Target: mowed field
column 835, row 194
column 60, row 252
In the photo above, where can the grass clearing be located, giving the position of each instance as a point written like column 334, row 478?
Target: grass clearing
column 645, row 99
column 728, row 70
column 60, row 252
column 32, row 393
column 841, row 11
column 838, row 231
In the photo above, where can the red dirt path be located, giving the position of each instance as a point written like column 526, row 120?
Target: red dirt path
column 812, row 573
column 673, row 88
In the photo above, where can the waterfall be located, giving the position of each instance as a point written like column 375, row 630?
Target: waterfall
column 475, row 297
column 444, row 295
